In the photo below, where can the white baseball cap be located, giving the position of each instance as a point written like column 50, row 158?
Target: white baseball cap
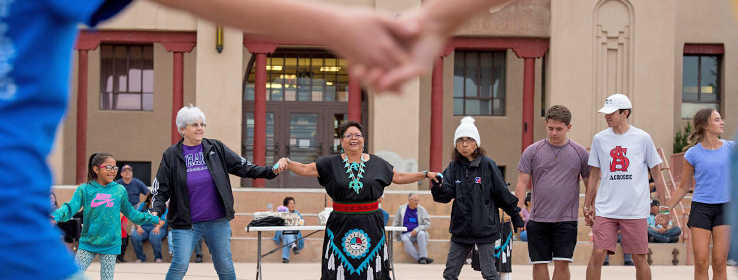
column 616, row 102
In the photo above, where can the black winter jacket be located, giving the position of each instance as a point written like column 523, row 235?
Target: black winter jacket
column 171, row 179
column 478, row 190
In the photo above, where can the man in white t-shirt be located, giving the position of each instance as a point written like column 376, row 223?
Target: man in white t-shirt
column 621, row 155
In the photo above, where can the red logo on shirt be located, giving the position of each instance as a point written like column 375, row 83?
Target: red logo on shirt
column 619, row 161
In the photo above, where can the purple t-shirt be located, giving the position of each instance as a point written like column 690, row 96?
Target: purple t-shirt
column 555, row 172
column 205, row 202
column 410, row 221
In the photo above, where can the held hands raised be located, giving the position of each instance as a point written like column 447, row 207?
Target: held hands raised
column 384, row 52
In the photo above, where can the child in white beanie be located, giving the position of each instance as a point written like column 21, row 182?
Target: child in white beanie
column 474, row 184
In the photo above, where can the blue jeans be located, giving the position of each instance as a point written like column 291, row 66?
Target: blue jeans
column 217, row 234
column 287, row 239
column 155, row 240
column 664, row 238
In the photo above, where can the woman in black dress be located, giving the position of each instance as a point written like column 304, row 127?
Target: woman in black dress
column 354, row 245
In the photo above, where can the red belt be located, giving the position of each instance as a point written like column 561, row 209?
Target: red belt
column 356, row 208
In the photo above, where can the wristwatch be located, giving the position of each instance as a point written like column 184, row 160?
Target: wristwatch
column 425, row 174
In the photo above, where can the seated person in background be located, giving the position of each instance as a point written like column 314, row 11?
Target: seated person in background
column 525, row 213
column 289, row 237
column 417, row 221
column 656, row 232
column 153, row 233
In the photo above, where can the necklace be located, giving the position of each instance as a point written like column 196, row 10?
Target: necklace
column 556, row 154
column 355, row 183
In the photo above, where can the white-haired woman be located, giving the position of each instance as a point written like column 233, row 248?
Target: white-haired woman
column 193, row 175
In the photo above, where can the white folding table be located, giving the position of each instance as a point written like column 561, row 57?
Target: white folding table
column 259, row 230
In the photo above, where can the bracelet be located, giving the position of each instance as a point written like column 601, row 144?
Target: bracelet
column 664, row 206
column 586, row 207
column 664, row 212
column 288, row 160
column 425, row 173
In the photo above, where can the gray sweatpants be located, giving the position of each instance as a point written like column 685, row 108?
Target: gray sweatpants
column 421, row 238
column 457, row 254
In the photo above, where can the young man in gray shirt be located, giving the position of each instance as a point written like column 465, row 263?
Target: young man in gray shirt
column 554, row 164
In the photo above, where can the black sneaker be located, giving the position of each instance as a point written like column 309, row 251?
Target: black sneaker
column 606, row 263
column 629, row 263
column 423, row 261
column 285, row 261
column 674, row 239
column 198, row 258
column 428, row 260
column 295, row 250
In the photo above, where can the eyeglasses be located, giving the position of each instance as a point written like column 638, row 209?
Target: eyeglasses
column 110, row 167
column 467, row 140
column 195, row 125
column 351, row 136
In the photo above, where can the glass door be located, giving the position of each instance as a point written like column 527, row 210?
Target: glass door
column 304, row 143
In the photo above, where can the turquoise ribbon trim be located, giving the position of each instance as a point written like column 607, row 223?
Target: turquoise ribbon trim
column 509, row 237
column 350, row 268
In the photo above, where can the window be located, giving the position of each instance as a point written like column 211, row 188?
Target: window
column 701, row 78
column 302, row 75
column 479, row 83
column 127, row 77
column 248, row 144
column 543, row 85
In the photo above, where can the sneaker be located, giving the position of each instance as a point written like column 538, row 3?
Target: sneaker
column 171, row 256
column 285, row 261
column 428, row 260
column 732, row 263
column 159, row 261
column 138, row 261
column 629, row 263
column 120, row 259
column 674, row 239
column 198, row 258
column 650, row 239
column 295, row 250
column 423, row 261
column 605, row 263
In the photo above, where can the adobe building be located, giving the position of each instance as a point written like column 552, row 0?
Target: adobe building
column 267, row 99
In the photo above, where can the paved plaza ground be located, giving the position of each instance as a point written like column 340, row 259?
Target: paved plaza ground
column 301, row 271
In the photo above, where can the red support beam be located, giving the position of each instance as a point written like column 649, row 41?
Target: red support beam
column 178, row 48
column 260, row 115
column 529, row 80
column 177, row 93
column 81, row 159
column 354, row 100
column 436, row 129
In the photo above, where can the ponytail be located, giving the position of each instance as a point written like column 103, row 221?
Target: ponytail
column 700, row 120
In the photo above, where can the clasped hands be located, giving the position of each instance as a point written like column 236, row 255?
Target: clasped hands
column 382, row 51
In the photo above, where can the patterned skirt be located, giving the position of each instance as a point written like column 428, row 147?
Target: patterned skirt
column 355, row 247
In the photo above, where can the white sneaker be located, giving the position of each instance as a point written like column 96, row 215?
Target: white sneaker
column 732, row 263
